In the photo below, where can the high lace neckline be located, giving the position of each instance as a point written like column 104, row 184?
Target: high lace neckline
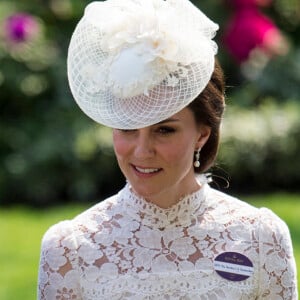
column 149, row 214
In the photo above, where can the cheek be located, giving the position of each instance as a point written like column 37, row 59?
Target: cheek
column 179, row 154
column 120, row 145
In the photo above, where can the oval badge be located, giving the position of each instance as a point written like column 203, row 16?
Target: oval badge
column 233, row 266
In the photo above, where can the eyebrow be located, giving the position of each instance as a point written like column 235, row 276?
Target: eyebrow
column 168, row 120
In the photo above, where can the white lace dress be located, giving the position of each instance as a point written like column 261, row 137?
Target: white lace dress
column 126, row 248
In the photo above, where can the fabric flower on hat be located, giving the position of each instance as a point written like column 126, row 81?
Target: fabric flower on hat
column 145, row 47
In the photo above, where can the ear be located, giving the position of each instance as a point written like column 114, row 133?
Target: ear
column 204, row 134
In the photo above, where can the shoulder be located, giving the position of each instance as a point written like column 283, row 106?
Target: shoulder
column 100, row 212
column 58, row 235
column 67, row 231
column 227, row 205
column 239, row 210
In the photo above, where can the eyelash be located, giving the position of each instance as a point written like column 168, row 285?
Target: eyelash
column 162, row 130
column 126, row 130
column 165, row 130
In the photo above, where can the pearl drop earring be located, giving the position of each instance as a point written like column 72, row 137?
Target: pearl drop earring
column 197, row 159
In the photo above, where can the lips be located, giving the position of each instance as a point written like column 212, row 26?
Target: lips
column 146, row 171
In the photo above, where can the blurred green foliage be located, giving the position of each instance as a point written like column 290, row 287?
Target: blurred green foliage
column 51, row 152
column 261, row 146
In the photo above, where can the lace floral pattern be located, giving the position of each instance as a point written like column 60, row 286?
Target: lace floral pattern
column 127, row 248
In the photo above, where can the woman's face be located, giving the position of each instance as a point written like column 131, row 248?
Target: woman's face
column 158, row 160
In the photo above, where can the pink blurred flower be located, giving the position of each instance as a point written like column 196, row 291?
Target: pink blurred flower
column 249, row 29
column 20, row 27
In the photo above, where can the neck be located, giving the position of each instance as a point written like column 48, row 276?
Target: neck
column 167, row 199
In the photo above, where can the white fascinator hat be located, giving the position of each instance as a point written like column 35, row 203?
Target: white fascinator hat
column 134, row 63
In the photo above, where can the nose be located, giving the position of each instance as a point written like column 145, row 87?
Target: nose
column 144, row 146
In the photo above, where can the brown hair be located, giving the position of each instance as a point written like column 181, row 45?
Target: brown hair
column 208, row 110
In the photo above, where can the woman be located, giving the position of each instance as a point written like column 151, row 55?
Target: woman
column 167, row 234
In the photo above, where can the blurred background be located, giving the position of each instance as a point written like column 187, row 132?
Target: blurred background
column 55, row 161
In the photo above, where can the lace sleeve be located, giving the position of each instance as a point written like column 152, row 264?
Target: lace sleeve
column 277, row 264
column 58, row 277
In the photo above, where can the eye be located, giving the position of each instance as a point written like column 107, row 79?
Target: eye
column 165, row 130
